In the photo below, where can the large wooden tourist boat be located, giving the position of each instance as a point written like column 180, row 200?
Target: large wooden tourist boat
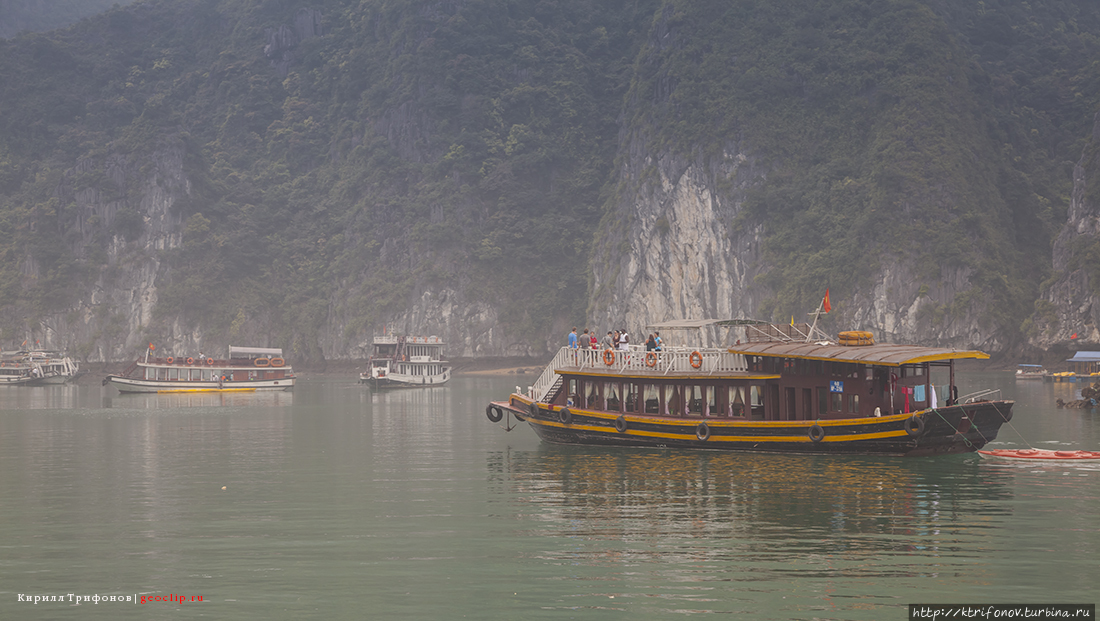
column 779, row 388
column 406, row 361
column 36, row 368
column 247, row 369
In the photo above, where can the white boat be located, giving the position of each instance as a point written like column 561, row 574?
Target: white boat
column 406, row 361
column 247, row 369
column 1030, row 372
column 36, row 368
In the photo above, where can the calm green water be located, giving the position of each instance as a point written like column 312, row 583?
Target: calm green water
column 343, row 504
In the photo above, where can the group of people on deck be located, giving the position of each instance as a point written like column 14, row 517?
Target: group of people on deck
column 615, row 339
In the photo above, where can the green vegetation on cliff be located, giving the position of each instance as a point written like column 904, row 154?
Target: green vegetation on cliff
column 378, row 150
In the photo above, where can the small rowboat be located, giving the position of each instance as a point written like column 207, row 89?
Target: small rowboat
column 1041, row 454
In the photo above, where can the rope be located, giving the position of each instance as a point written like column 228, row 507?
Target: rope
column 1009, row 423
column 966, row 440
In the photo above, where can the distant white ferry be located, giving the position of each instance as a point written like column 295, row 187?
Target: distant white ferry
column 36, row 368
column 247, row 369
column 406, row 361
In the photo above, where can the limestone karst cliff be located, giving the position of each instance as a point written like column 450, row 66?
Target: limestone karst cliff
column 1067, row 315
column 304, row 175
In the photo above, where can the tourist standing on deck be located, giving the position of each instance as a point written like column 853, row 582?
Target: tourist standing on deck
column 651, row 343
column 592, row 340
column 573, row 339
column 609, row 341
column 624, row 341
column 657, row 340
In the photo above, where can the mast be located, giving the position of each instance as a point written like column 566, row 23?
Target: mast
column 817, row 313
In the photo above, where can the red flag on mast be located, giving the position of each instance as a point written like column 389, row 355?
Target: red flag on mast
column 825, row 306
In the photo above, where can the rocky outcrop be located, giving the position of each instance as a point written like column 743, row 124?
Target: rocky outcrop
column 109, row 320
column 669, row 251
column 284, row 40
column 1068, row 314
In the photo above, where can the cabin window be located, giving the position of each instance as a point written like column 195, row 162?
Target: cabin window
column 196, row 375
column 652, row 399
column 737, row 401
column 694, row 399
column 612, row 393
column 571, row 393
column 756, row 395
column 836, row 402
column 822, row 401
column 672, row 405
column 150, row 374
column 590, row 394
column 853, row 404
column 631, row 392
column 710, row 402
column 173, row 374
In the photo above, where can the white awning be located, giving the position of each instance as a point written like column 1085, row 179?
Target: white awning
column 254, row 352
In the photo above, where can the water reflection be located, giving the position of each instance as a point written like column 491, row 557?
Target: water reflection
column 722, row 507
column 167, row 401
column 38, row 397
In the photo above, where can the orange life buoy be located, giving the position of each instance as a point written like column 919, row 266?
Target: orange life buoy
column 209, row 361
column 171, row 360
column 277, row 362
column 651, row 358
column 696, row 359
column 609, row 356
column 261, row 362
column 190, row 360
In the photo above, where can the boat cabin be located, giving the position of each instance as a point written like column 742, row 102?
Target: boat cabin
column 777, row 378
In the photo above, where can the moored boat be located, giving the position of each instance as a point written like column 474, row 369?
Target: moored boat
column 247, row 369
column 778, row 389
column 406, row 361
column 1030, row 372
column 36, row 368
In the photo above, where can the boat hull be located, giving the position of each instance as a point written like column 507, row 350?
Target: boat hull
column 955, row 429
column 129, row 384
column 389, row 381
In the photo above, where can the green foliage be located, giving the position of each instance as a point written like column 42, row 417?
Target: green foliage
column 468, row 146
column 906, row 130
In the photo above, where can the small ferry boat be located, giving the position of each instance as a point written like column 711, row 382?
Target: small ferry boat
column 36, row 368
column 778, row 389
column 1030, row 372
column 406, row 361
column 247, row 369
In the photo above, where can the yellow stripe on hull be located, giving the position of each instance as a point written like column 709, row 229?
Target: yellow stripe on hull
column 714, row 438
column 182, row 390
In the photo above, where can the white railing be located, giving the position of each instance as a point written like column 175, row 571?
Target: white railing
column 637, row 360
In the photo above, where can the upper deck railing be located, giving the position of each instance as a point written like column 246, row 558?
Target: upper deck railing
column 637, row 361
column 390, row 339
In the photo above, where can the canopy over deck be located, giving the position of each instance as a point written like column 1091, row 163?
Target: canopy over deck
column 251, row 352
column 885, row 354
column 1085, row 356
column 694, row 324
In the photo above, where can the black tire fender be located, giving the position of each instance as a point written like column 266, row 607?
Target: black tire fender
column 565, row 416
column 494, row 413
column 817, row 433
column 620, row 424
column 702, row 431
column 914, row 425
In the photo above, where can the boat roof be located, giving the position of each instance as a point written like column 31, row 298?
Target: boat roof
column 242, row 352
column 1085, row 356
column 692, row 324
column 883, row 354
